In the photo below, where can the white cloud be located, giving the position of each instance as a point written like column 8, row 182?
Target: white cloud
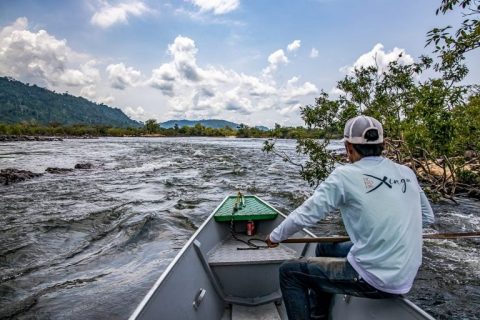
column 378, row 56
column 275, row 59
column 42, row 59
column 88, row 92
column 217, row 6
column 294, row 46
column 121, row 77
column 278, row 57
column 336, row 92
column 183, row 50
column 292, row 91
column 137, row 113
column 287, row 111
column 292, row 81
column 199, row 92
column 203, row 17
column 313, row 53
column 106, row 100
column 109, row 15
column 304, row 90
column 163, row 78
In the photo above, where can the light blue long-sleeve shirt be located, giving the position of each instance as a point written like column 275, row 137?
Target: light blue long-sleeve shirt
column 382, row 207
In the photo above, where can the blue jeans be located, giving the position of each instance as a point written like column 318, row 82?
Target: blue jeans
column 325, row 275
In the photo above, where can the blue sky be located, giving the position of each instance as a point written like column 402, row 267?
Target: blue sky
column 255, row 61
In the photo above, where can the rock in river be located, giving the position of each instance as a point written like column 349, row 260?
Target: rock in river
column 28, row 138
column 10, row 175
column 86, row 165
column 58, row 170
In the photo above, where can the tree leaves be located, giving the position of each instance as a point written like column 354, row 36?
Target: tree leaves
column 452, row 46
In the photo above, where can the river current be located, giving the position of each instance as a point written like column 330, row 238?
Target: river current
column 89, row 244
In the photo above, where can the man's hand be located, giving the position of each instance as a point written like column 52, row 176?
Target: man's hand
column 269, row 242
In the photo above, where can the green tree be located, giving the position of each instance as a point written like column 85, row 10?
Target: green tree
column 151, row 126
column 243, row 131
column 452, row 45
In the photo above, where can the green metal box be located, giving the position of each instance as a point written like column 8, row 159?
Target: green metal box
column 253, row 209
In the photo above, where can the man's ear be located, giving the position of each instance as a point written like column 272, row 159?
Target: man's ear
column 348, row 147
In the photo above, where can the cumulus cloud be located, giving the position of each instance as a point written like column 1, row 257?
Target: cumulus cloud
column 313, row 53
column 304, row 90
column 121, row 77
column 163, row 78
column 106, row 100
column 275, row 59
column 336, row 92
column 109, row 15
column 40, row 58
column 218, row 7
column 137, row 113
column 293, row 91
column 378, row 56
column 294, row 46
column 89, row 92
column 294, row 108
column 183, row 51
column 278, row 57
column 193, row 91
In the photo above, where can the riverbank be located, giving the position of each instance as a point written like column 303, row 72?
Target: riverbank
column 13, row 138
column 4, row 138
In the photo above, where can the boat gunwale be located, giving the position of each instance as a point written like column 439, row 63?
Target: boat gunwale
column 165, row 273
column 417, row 309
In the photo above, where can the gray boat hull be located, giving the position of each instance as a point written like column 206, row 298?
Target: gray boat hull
column 198, row 284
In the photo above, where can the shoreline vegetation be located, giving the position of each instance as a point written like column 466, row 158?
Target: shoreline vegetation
column 31, row 131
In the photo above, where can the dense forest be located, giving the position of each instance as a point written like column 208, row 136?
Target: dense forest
column 21, row 102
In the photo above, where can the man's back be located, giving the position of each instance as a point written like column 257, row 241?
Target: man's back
column 382, row 207
column 382, row 212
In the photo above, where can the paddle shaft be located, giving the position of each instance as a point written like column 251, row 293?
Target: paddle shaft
column 452, row 235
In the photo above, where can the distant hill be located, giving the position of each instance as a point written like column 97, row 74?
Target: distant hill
column 262, row 128
column 208, row 123
column 23, row 102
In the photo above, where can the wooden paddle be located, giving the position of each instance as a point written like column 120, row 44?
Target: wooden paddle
column 451, row 235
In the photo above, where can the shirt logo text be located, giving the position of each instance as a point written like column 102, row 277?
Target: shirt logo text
column 370, row 181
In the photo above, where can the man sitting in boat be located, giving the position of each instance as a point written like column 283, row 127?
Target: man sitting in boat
column 382, row 207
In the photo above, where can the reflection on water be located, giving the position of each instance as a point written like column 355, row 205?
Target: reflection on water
column 90, row 243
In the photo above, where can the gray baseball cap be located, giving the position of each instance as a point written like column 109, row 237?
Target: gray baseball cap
column 356, row 128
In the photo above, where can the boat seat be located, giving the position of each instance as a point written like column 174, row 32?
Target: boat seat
column 227, row 253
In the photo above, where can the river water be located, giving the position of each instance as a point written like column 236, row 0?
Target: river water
column 90, row 243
